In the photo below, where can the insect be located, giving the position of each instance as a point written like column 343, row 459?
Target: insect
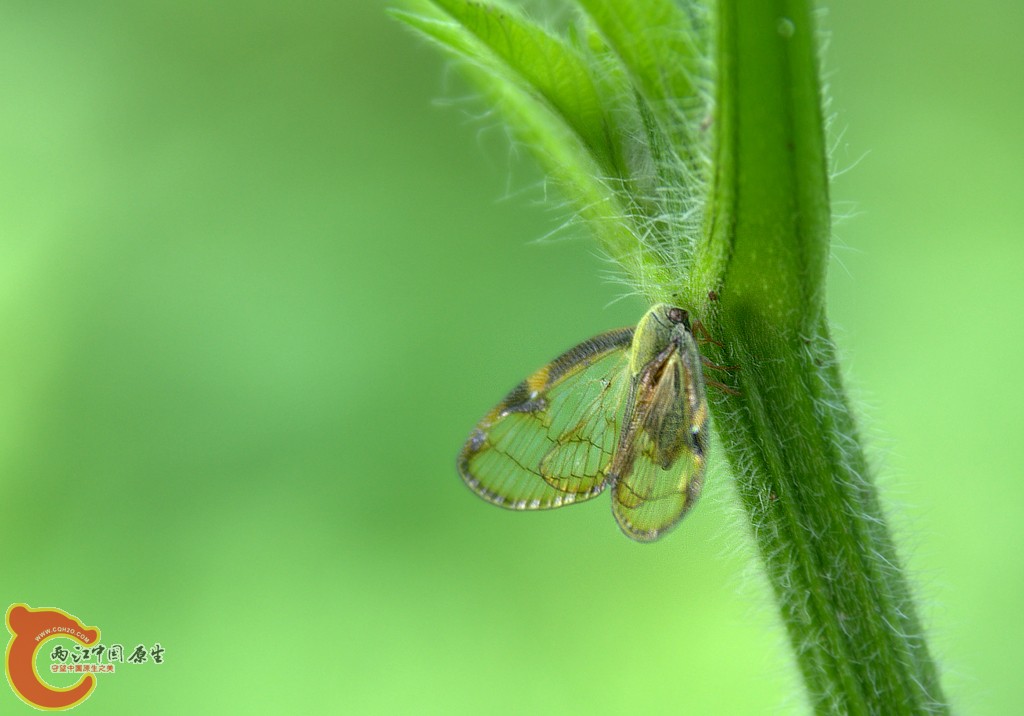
column 624, row 411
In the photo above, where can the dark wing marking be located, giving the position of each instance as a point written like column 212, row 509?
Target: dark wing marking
column 550, row 441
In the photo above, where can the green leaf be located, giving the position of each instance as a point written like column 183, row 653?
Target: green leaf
column 584, row 130
column 542, row 66
column 665, row 53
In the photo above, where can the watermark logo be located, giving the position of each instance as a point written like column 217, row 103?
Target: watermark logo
column 73, row 649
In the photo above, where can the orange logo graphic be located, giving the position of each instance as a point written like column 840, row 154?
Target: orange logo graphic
column 30, row 629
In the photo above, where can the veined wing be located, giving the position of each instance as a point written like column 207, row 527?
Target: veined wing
column 653, row 499
column 659, row 468
column 550, row 441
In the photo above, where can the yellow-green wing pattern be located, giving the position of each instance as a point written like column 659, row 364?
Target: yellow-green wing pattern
column 658, row 470
column 651, row 500
column 551, row 440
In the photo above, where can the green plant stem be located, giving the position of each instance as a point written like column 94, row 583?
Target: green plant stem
column 790, row 435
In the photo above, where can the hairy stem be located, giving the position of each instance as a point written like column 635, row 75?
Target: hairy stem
column 790, row 435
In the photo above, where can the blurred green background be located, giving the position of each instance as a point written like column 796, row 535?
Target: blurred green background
column 256, row 286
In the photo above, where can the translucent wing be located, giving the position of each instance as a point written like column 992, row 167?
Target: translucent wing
column 659, row 468
column 550, row 441
column 652, row 499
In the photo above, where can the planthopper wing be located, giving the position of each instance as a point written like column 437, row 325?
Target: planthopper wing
column 658, row 470
column 551, row 440
column 652, row 499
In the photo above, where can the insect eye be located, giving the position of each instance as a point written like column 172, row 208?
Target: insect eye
column 678, row 315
